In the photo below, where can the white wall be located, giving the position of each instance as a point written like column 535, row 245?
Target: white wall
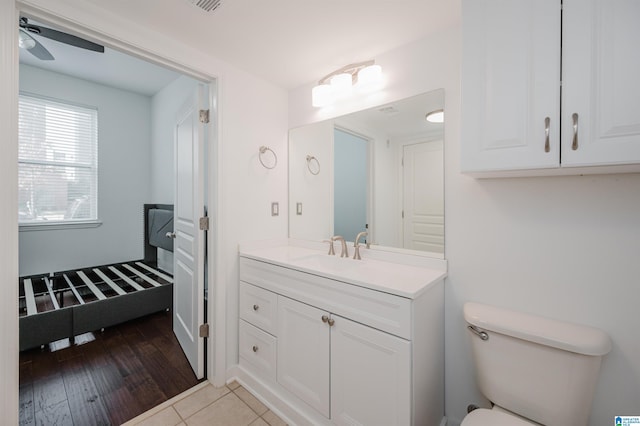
column 563, row 247
column 124, row 134
column 254, row 114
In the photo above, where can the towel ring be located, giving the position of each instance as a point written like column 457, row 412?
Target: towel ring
column 263, row 150
column 311, row 158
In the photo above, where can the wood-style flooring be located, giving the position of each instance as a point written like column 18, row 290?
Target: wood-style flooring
column 123, row 372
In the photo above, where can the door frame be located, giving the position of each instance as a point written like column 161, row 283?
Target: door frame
column 215, row 362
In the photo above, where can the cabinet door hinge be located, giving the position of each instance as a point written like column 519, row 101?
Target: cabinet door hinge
column 204, row 223
column 204, row 116
column 204, row 330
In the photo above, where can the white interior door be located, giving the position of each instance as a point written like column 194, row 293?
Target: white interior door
column 423, row 195
column 188, row 267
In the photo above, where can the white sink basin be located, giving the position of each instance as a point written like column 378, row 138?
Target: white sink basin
column 390, row 277
column 327, row 262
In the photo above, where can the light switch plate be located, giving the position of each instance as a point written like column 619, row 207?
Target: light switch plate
column 299, row 209
column 275, row 209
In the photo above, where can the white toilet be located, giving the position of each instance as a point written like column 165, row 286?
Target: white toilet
column 534, row 370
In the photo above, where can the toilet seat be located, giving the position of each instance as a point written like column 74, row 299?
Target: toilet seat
column 485, row 417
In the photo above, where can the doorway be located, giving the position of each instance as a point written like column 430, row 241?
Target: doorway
column 351, row 183
column 130, row 167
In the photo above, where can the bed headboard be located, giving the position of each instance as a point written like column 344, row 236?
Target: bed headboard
column 158, row 220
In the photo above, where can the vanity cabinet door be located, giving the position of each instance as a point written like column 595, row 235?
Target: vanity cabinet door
column 303, row 352
column 510, row 85
column 370, row 376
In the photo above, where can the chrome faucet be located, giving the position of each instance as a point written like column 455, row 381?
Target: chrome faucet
column 345, row 251
column 356, row 255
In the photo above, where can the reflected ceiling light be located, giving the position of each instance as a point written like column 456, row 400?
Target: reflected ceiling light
column 339, row 84
column 436, row 116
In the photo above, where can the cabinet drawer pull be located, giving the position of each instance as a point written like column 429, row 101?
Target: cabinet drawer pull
column 547, row 122
column 256, row 307
column 255, row 348
column 331, row 322
column 574, row 145
column 325, row 319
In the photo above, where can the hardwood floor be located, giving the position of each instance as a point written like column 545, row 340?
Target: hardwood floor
column 124, row 372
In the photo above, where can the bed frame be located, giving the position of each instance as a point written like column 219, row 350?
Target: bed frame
column 65, row 304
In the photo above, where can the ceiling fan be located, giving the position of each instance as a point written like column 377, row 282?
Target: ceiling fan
column 33, row 46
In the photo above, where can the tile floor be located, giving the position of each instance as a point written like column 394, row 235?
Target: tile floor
column 230, row 405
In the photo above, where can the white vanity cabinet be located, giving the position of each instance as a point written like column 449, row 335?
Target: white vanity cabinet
column 345, row 354
column 516, row 113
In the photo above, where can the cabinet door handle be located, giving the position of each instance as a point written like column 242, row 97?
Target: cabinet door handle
column 325, row 319
column 256, row 307
column 255, row 348
column 331, row 321
column 547, row 122
column 574, row 145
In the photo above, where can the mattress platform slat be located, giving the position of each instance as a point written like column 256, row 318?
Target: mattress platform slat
column 126, row 279
column 51, row 295
column 143, row 276
column 73, row 289
column 99, row 294
column 109, row 281
column 155, row 271
column 29, row 297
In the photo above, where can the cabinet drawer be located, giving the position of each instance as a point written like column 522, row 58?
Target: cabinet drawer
column 258, row 307
column 257, row 351
column 376, row 309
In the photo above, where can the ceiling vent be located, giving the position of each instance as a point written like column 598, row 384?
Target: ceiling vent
column 389, row 110
column 206, row 5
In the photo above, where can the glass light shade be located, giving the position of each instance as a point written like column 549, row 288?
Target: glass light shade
column 370, row 76
column 25, row 41
column 436, row 116
column 321, row 95
column 341, row 84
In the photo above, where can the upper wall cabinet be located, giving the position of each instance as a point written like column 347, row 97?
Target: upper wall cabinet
column 551, row 86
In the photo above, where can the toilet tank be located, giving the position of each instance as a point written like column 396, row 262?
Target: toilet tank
column 542, row 369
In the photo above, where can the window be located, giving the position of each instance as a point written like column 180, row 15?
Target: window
column 57, row 162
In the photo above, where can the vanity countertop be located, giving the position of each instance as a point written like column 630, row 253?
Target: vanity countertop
column 396, row 278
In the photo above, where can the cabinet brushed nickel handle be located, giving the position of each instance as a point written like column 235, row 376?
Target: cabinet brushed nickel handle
column 547, row 122
column 325, row 319
column 331, row 322
column 574, row 145
column 256, row 307
column 255, row 348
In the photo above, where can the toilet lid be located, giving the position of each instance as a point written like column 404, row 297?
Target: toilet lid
column 485, row 417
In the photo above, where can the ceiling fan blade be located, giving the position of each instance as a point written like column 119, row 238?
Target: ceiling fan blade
column 40, row 52
column 63, row 37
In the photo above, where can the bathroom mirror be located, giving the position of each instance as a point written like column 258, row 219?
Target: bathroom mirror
column 379, row 170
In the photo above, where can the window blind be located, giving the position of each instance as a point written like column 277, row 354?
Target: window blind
column 57, row 161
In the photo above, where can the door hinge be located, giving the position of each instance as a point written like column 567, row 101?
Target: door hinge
column 204, row 330
column 204, row 223
column 204, row 116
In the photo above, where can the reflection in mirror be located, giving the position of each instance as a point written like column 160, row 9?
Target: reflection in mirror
column 381, row 172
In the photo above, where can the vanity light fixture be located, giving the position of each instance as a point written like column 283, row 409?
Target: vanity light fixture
column 341, row 83
column 436, row 116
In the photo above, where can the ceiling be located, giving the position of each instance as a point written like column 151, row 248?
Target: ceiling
column 110, row 68
column 291, row 42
